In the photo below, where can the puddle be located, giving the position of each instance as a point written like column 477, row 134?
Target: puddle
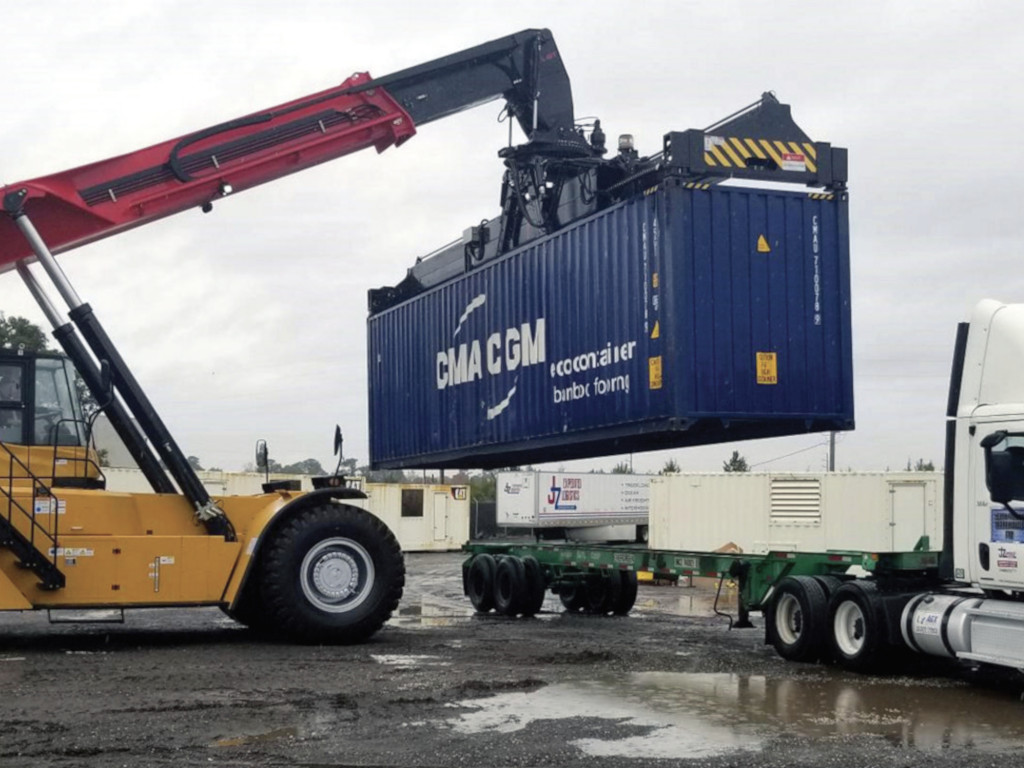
column 258, row 738
column 408, row 660
column 703, row 715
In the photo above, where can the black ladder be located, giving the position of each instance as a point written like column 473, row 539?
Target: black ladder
column 38, row 550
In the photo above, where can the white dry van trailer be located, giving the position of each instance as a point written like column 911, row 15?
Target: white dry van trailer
column 763, row 512
column 575, row 506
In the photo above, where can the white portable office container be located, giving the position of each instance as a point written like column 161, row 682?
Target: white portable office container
column 796, row 512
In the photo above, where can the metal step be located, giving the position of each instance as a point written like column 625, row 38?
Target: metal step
column 997, row 633
column 29, row 557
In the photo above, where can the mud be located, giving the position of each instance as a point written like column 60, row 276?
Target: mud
column 670, row 684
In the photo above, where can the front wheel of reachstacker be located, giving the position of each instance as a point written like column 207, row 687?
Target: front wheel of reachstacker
column 331, row 574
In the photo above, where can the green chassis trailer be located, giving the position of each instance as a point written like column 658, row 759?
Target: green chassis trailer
column 512, row 577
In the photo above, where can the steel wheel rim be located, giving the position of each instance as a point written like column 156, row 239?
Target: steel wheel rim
column 789, row 619
column 849, row 628
column 337, row 575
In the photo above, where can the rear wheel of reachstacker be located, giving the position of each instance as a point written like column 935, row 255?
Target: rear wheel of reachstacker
column 480, row 582
column 535, row 586
column 857, row 626
column 627, row 593
column 332, row 573
column 797, row 620
column 509, row 586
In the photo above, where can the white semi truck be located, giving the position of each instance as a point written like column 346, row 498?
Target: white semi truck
column 964, row 600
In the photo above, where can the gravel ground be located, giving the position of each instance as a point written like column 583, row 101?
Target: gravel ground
column 442, row 687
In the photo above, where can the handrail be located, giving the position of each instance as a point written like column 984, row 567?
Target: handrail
column 38, row 488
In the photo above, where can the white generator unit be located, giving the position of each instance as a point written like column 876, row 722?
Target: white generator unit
column 796, row 512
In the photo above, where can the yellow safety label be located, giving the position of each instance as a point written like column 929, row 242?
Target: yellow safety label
column 654, row 280
column 762, row 245
column 654, row 371
column 734, row 152
column 656, row 333
column 767, row 368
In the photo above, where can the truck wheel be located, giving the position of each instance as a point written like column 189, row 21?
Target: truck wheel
column 599, row 595
column 857, row 626
column 535, row 586
column 509, row 586
column 627, row 593
column 332, row 573
column 480, row 582
column 797, row 619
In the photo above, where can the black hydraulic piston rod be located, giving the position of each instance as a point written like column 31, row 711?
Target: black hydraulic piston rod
column 128, row 388
column 118, row 416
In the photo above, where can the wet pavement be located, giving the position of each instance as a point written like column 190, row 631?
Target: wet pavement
column 440, row 686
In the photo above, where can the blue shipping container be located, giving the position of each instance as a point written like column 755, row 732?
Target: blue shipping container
column 685, row 316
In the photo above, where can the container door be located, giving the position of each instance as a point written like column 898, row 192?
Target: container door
column 440, row 516
column 909, row 515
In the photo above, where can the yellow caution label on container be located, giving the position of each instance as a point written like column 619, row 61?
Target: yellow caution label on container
column 656, row 333
column 762, row 245
column 654, row 280
column 654, row 371
column 767, row 368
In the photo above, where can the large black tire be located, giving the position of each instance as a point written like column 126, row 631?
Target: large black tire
column 510, row 586
column 797, row 619
column 480, row 582
column 574, row 598
column 856, row 621
column 535, row 586
column 602, row 592
column 623, row 604
column 330, row 574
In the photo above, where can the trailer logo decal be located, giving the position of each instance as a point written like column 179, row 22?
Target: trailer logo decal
column 568, row 491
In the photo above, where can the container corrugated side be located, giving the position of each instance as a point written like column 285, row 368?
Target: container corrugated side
column 681, row 317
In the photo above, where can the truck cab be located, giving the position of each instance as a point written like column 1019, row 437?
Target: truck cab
column 988, row 531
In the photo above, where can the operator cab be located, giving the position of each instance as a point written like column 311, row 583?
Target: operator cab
column 39, row 403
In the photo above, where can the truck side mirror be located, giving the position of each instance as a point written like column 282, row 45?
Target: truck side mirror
column 1004, row 470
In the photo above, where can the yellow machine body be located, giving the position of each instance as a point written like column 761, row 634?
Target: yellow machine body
column 127, row 549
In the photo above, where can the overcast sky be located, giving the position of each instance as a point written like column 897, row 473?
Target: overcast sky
column 250, row 322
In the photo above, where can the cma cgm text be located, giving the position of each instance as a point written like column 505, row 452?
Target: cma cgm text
column 506, row 350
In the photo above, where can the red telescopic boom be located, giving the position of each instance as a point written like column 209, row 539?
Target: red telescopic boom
column 75, row 207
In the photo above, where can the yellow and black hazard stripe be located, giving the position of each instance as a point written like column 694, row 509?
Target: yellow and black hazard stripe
column 732, row 152
column 821, row 196
column 697, row 185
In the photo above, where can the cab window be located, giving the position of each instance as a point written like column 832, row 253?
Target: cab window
column 12, row 408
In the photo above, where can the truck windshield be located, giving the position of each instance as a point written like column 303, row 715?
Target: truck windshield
column 58, row 413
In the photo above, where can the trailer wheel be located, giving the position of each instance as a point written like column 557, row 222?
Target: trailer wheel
column 535, row 586
column 509, row 586
column 627, row 593
column 332, row 573
column 574, row 597
column 480, row 582
column 829, row 583
column 797, row 619
column 855, row 617
column 599, row 594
